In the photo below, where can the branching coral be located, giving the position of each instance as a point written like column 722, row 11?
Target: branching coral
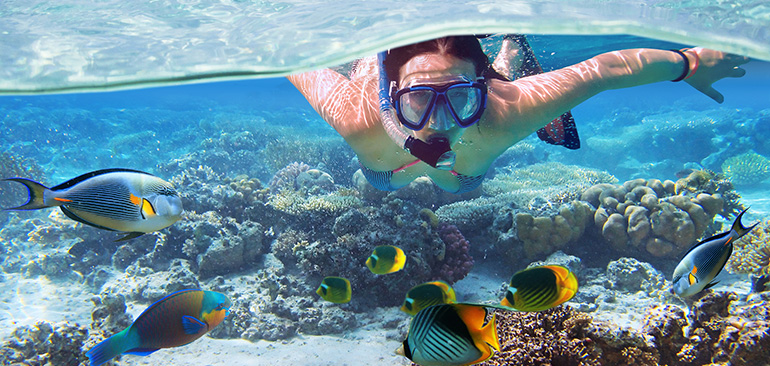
column 747, row 168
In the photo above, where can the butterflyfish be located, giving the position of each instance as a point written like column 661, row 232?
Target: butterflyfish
column 335, row 289
column 450, row 335
column 386, row 259
column 703, row 262
column 427, row 294
column 123, row 200
column 540, row 288
column 173, row 321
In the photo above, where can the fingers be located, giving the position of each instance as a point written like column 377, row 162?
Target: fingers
column 714, row 94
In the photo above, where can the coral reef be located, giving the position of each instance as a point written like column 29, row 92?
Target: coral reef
column 454, row 261
column 286, row 177
column 556, row 336
column 45, row 343
column 646, row 217
column 747, row 168
column 546, row 234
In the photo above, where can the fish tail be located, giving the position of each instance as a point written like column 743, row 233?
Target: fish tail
column 738, row 227
column 36, row 192
column 109, row 348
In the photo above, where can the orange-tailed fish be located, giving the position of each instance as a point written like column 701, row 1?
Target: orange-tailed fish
column 386, row 259
column 335, row 289
column 450, row 335
column 122, row 200
column 172, row 321
column 540, row 288
column 427, row 294
column 706, row 259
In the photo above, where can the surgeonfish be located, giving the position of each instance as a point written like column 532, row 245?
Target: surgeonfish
column 386, row 259
column 540, row 288
column 172, row 321
column 335, row 289
column 450, row 335
column 705, row 260
column 122, row 200
column 427, row 294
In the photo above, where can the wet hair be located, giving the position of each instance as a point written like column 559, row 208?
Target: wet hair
column 463, row 47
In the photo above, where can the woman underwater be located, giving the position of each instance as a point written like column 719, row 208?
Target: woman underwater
column 440, row 110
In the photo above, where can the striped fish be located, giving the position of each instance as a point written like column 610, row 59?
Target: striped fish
column 540, row 288
column 123, row 200
column 172, row 321
column 703, row 262
column 427, row 294
column 450, row 335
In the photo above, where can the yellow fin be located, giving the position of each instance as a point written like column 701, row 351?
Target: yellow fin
column 147, row 209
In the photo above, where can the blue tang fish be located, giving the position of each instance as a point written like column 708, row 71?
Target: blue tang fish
column 706, row 259
column 122, row 200
column 172, row 321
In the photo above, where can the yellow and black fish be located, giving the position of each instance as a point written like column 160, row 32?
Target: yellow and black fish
column 386, row 259
column 427, row 294
column 540, row 288
column 706, row 259
column 335, row 289
column 123, row 200
column 450, row 335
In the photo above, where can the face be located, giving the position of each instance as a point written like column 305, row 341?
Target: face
column 436, row 69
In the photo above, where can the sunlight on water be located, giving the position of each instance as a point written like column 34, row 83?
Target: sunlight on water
column 50, row 46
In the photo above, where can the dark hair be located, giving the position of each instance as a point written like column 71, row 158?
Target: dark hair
column 463, row 47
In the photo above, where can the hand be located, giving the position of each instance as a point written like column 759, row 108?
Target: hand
column 713, row 66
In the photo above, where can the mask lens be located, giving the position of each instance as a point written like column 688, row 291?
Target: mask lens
column 415, row 104
column 465, row 101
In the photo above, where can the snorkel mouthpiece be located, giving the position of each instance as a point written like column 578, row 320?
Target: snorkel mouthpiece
column 436, row 152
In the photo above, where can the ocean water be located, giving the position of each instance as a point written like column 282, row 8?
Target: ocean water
column 172, row 88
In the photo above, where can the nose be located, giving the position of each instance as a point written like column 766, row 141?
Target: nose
column 441, row 119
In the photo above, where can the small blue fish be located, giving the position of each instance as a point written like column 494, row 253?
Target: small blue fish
column 706, row 259
column 123, row 200
column 172, row 321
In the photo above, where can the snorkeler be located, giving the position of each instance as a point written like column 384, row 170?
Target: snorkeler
column 436, row 108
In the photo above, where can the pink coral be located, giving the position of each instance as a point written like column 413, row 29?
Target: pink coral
column 457, row 261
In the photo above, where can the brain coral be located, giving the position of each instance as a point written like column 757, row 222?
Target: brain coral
column 747, row 168
column 645, row 216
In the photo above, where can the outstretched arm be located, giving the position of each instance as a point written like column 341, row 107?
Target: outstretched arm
column 346, row 105
column 529, row 103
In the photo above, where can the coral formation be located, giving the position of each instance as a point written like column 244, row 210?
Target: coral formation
column 45, row 343
column 646, row 217
column 454, row 261
column 747, row 168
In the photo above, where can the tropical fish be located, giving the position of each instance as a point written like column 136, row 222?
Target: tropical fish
column 705, row 260
column 386, row 259
column 123, row 200
column 172, row 321
column 335, row 289
column 427, row 294
column 540, row 288
column 450, row 334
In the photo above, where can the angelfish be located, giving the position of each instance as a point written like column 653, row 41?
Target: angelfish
column 172, row 321
column 705, row 260
column 117, row 199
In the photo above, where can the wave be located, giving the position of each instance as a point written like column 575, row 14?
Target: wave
column 80, row 45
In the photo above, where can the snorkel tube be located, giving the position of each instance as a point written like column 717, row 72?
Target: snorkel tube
column 436, row 152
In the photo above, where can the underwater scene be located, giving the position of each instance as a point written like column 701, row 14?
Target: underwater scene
column 223, row 222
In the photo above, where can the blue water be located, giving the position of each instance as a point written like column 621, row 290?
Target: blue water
column 164, row 129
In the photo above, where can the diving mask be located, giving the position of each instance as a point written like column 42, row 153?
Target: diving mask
column 463, row 98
